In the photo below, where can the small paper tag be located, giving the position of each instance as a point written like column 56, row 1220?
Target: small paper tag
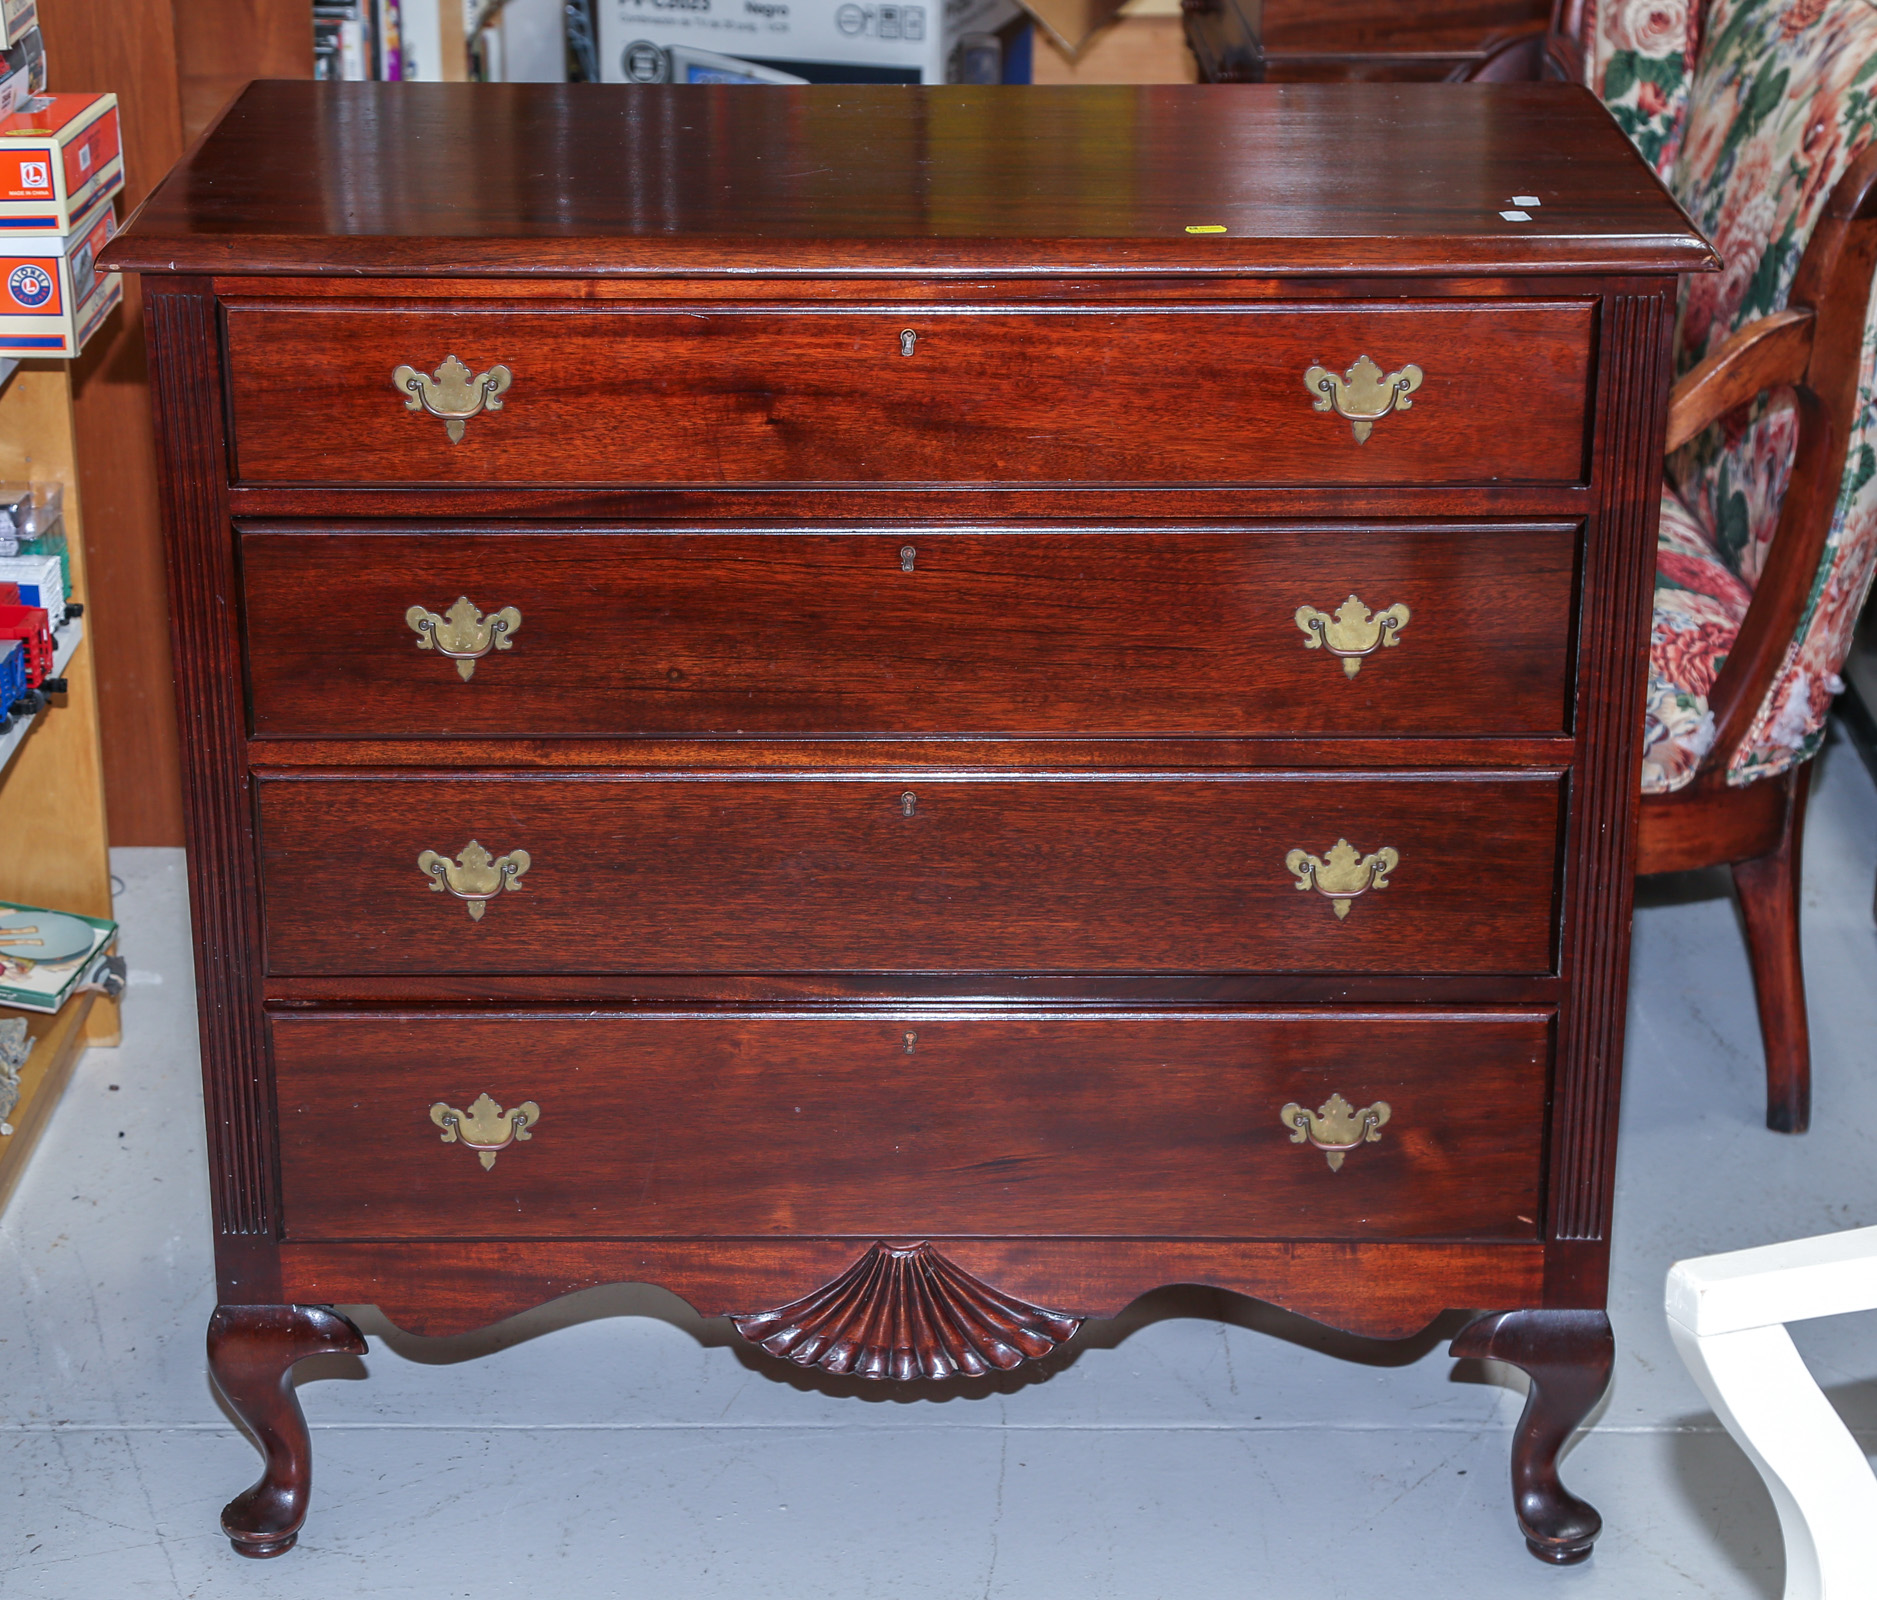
column 1526, row 200
column 1205, row 227
column 1516, row 216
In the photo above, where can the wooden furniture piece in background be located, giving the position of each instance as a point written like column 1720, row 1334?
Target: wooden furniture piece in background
column 935, row 847
column 53, row 840
column 173, row 65
column 1815, row 346
column 1286, row 41
column 1728, row 1316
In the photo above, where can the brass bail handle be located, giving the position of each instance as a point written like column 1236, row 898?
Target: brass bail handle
column 1364, row 394
column 485, row 1127
column 452, row 392
column 1335, row 1127
column 1352, row 631
column 1342, row 872
column 474, row 876
column 463, row 633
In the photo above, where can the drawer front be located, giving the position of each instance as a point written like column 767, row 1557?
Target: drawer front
column 721, row 397
column 905, row 1128
column 913, row 631
column 632, row 873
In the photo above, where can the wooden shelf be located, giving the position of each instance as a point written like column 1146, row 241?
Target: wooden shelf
column 53, row 846
column 61, row 1041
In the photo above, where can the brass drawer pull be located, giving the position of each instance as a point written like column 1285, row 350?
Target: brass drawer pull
column 485, row 1127
column 1353, row 631
column 1335, row 1127
column 1342, row 874
column 452, row 393
column 465, row 635
column 474, row 875
column 1362, row 396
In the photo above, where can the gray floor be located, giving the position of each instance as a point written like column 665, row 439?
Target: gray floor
column 615, row 1444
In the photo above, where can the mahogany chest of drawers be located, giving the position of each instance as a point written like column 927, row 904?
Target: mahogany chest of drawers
column 911, row 712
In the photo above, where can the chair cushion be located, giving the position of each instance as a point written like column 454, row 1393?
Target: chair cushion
column 1782, row 102
column 1699, row 603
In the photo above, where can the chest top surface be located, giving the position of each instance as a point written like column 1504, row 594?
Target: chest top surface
column 559, row 180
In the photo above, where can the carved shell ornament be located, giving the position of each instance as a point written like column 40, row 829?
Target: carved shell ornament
column 906, row 1312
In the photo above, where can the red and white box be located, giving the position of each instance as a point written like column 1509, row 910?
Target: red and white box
column 52, row 296
column 59, row 155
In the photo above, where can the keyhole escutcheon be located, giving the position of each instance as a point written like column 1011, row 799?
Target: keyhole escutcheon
column 907, row 555
column 911, row 1040
column 907, row 339
column 908, row 803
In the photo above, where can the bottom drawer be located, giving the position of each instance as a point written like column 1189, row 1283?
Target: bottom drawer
column 923, row 1125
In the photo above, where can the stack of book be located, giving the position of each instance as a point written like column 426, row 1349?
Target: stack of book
column 358, row 40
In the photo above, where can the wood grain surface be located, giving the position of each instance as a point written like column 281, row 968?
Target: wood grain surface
column 1135, row 873
column 1381, row 1289
column 1007, row 631
column 539, row 179
column 726, row 395
column 903, row 1127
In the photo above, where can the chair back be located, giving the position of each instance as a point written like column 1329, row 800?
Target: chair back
column 1780, row 100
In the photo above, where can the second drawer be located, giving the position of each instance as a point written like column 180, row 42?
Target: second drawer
column 1451, row 630
column 613, row 872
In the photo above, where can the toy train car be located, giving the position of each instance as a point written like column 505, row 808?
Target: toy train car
column 40, row 581
column 15, row 692
column 31, row 629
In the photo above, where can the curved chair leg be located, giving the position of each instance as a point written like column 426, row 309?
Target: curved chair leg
column 1815, row 1471
column 1769, row 900
column 1728, row 1315
column 1568, row 1356
column 252, row 1350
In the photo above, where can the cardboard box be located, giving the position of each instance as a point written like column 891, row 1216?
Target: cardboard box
column 812, row 41
column 59, row 155
column 52, row 297
column 17, row 19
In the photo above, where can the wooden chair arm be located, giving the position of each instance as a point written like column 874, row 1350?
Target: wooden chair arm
column 1833, row 287
column 1767, row 354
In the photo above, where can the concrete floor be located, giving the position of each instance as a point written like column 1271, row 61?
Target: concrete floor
column 616, row 1444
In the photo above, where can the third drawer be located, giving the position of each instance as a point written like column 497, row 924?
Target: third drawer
column 619, row 872
column 1457, row 629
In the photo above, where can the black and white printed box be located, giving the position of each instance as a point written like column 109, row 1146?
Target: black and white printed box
column 784, row 41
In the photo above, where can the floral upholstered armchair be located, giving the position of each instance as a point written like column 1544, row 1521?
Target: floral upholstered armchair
column 1759, row 115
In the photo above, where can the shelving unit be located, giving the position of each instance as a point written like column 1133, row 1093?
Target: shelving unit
column 53, row 844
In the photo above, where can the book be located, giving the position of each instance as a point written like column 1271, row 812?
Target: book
column 46, row 956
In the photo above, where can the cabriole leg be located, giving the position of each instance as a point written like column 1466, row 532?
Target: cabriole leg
column 252, row 1350
column 1568, row 1356
column 1769, row 905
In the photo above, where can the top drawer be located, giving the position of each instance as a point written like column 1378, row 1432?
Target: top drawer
column 716, row 396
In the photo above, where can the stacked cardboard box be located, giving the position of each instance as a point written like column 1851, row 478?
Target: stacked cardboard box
column 61, row 165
